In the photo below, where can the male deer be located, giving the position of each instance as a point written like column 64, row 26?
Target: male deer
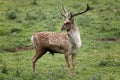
column 53, row 42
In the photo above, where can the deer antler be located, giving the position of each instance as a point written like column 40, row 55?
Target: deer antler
column 76, row 14
column 66, row 12
column 64, row 9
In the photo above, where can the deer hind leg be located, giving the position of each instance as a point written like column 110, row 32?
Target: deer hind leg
column 36, row 57
column 73, row 64
column 67, row 62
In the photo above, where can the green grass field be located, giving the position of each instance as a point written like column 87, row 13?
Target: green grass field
column 98, row 59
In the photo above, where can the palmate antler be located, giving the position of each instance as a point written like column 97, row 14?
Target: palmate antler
column 66, row 13
column 76, row 14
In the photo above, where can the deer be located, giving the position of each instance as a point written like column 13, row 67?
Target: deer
column 67, row 43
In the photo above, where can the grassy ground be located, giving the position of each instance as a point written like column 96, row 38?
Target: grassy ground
column 98, row 59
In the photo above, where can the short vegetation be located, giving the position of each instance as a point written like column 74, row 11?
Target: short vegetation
column 98, row 59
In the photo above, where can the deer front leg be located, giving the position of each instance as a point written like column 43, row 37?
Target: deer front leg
column 73, row 64
column 67, row 62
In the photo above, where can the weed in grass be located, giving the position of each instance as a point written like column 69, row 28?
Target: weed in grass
column 34, row 2
column 109, row 61
column 4, row 32
column 17, row 72
column 36, row 76
column 20, row 20
column 31, row 16
column 102, row 63
column 15, row 30
column 95, row 77
column 11, row 15
column 4, row 69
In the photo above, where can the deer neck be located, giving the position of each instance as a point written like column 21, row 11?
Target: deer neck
column 74, row 36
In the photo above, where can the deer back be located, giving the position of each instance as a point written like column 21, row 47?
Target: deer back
column 51, row 41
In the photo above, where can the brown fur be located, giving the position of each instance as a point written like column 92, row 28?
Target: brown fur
column 51, row 41
column 66, row 43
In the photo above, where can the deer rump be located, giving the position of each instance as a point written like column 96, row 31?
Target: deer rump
column 52, row 42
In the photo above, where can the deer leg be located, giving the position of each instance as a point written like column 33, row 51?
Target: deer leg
column 73, row 63
column 67, row 62
column 36, row 57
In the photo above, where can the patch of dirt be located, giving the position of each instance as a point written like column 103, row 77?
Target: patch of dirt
column 107, row 39
column 24, row 48
column 18, row 49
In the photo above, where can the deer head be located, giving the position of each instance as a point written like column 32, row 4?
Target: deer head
column 69, row 18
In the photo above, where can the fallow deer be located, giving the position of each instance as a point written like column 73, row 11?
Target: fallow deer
column 67, row 43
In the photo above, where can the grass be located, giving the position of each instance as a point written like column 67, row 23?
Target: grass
column 98, row 59
column 91, row 65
